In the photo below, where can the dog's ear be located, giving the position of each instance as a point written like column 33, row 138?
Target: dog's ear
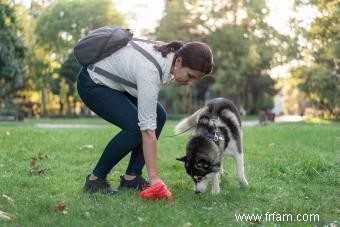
column 183, row 159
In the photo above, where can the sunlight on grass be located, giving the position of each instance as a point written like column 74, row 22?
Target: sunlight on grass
column 318, row 120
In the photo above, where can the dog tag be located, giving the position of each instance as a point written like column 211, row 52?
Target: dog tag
column 217, row 137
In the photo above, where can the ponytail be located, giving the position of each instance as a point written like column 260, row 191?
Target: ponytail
column 195, row 55
column 165, row 49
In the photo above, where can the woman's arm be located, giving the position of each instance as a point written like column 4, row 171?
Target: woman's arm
column 150, row 155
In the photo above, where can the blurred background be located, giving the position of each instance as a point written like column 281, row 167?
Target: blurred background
column 271, row 56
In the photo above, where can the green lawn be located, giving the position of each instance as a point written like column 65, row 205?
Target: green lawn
column 292, row 169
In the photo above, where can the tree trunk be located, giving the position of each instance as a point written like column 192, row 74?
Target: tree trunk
column 43, row 102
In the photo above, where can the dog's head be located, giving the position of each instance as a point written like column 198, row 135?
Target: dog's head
column 201, row 161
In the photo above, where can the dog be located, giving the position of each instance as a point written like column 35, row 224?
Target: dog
column 217, row 132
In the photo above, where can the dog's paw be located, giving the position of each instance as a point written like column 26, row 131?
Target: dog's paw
column 244, row 183
column 215, row 192
column 221, row 171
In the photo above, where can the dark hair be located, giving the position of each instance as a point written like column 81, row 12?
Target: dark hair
column 195, row 55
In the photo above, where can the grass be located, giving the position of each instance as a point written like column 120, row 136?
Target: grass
column 291, row 169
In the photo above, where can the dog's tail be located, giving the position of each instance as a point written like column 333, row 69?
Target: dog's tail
column 188, row 122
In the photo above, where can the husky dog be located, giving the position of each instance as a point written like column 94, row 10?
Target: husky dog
column 217, row 133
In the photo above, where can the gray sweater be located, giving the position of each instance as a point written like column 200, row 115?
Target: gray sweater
column 131, row 65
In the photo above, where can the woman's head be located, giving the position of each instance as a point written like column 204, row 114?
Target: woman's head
column 192, row 60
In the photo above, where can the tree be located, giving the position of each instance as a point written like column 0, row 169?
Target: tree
column 245, row 47
column 66, row 81
column 320, row 75
column 180, row 22
column 58, row 37
column 12, row 52
column 65, row 22
column 39, row 62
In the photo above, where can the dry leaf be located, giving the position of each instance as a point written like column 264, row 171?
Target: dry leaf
column 256, row 221
column 33, row 164
column 272, row 145
column 41, row 155
column 88, row 146
column 7, row 216
column 140, row 219
column 7, row 197
column 60, row 208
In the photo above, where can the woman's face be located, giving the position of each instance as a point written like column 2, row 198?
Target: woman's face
column 185, row 75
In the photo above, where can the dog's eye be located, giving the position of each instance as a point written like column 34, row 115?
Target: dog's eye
column 206, row 166
column 198, row 165
column 198, row 178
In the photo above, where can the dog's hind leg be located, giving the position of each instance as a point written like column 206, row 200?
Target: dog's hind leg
column 239, row 161
column 215, row 189
column 221, row 168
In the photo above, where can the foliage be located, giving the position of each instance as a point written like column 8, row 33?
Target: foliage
column 51, row 66
column 174, row 24
column 245, row 47
column 12, row 51
column 62, row 24
column 294, row 100
column 320, row 76
column 68, row 75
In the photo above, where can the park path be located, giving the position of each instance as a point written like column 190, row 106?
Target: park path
column 66, row 126
column 251, row 123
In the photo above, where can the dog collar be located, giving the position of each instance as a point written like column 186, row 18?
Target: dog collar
column 216, row 136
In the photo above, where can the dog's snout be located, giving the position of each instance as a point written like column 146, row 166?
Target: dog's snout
column 197, row 192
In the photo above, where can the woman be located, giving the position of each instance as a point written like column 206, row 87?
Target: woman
column 135, row 110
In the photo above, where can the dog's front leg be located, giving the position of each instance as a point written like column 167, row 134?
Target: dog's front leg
column 238, row 157
column 215, row 189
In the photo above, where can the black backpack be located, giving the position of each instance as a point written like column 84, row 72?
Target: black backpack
column 102, row 42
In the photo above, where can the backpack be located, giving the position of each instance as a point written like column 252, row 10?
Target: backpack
column 104, row 41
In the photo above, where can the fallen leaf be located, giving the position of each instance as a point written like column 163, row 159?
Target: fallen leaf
column 60, row 208
column 187, row 224
column 7, row 197
column 140, row 219
column 88, row 146
column 256, row 221
column 41, row 155
column 8, row 133
column 33, row 164
column 7, row 216
column 42, row 171
column 272, row 145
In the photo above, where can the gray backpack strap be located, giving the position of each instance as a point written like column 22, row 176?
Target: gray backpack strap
column 148, row 56
column 147, row 41
column 111, row 76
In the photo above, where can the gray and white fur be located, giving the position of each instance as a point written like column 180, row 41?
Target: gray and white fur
column 217, row 132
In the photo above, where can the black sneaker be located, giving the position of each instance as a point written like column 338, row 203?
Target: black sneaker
column 138, row 183
column 99, row 185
